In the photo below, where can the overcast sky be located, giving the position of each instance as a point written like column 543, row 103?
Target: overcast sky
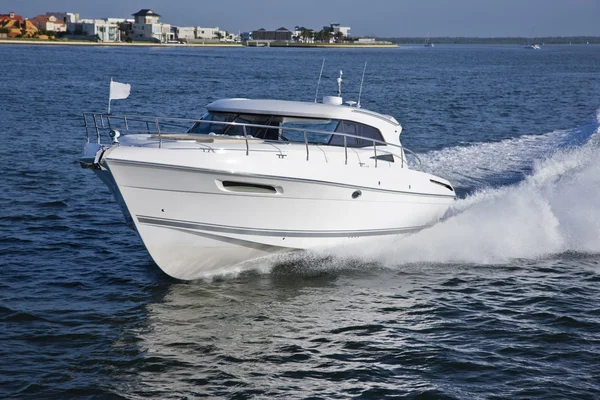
column 482, row 18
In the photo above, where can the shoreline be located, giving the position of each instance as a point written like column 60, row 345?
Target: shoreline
column 333, row 45
column 115, row 44
column 221, row 45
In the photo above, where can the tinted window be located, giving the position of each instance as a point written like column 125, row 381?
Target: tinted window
column 357, row 129
column 207, row 128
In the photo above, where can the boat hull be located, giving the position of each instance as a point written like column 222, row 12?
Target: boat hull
column 194, row 225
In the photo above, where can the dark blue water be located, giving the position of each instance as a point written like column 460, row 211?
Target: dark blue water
column 499, row 301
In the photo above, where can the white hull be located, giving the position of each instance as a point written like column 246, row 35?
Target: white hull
column 258, row 177
column 192, row 226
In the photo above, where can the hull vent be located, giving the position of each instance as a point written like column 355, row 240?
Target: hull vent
column 244, row 187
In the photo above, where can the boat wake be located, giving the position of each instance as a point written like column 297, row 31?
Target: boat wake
column 505, row 162
column 553, row 210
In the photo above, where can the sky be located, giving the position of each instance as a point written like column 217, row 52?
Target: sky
column 383, row 18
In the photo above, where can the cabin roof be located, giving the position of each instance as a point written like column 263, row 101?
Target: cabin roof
column 296, row 109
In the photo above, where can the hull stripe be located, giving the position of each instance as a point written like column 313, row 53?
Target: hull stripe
column 170, row 223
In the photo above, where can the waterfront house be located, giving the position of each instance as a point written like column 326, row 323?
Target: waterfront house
column 17, row 25
column 303, row 35
column 209, row 33
column 185, row 33
column 64, row 16
column 49, row 23
column 337, row 29
column 103, row 30
column 198, row 33
column 147, row 27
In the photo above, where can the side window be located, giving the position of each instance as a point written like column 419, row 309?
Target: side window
column 356, row 129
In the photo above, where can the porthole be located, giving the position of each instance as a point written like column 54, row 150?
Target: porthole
column 356, row 194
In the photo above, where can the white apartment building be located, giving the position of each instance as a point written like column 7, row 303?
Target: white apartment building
column 196, row 33
column 186, row 33
column 107, row 30
column 209, row 33
column 345, row 30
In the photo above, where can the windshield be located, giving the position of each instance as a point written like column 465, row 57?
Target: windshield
column 283, row 128
column 212, row 125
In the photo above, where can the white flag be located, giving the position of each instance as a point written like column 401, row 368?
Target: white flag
column 119, row 91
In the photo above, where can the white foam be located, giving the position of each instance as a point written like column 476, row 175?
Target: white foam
column 554, row 210
column 474, row 165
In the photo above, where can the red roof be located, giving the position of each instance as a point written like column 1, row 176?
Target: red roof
column 46, row 18
column 7, row 16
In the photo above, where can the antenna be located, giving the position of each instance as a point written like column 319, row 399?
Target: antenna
column 319, row 83
column 361, row 85
column 339, row 81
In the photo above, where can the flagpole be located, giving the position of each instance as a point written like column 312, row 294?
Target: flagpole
column 110, row 87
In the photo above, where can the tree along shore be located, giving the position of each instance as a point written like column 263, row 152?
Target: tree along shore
column 495, row 40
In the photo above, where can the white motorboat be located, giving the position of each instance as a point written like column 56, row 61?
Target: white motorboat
column 257, row 177
column 534, row 47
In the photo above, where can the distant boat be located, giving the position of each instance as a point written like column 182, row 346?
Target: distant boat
column 428, row 43
column 533, row 46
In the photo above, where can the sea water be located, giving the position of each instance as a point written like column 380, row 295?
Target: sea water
column 499, row 300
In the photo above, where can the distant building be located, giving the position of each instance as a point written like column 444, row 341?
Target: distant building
column 280, row 35
column 337, row 28
column 209, row 33
column 17, row 25
column 185, row 33
column 147, row 27
column 49, row 23
column 198, row 33
column 303, row 35
column 233, row 37
column 64, row 16
column 105, row 30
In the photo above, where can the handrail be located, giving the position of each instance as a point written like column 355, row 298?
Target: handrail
column 128, row 119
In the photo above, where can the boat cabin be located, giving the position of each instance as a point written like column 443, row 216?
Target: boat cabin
column 290, row 120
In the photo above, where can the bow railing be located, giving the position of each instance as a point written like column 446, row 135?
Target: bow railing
column 165, row 128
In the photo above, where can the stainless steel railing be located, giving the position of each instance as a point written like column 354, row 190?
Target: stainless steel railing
column 129, row 122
